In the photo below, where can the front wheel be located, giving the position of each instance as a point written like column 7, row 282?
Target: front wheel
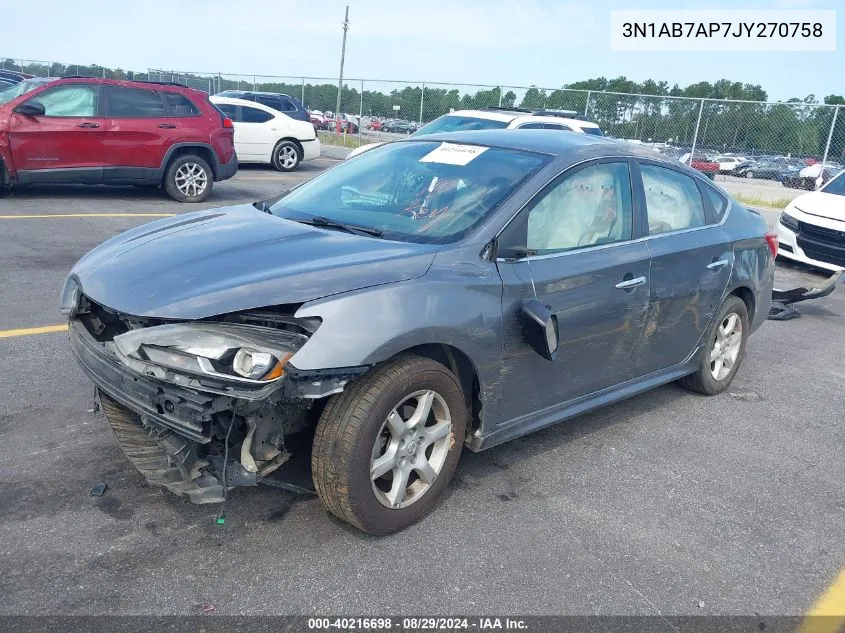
column 386, row 448
column 286, row 156
column 723, row 351
column 188, row 179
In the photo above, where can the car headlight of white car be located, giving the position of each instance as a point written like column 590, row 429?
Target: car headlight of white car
column 229, row 352
column 789, row 221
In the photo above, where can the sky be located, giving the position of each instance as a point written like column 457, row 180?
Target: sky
column 546, row 43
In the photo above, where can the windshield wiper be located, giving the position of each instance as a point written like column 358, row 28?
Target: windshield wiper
column 321, row 221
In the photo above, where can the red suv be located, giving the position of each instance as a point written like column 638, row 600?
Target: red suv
column 103, row 131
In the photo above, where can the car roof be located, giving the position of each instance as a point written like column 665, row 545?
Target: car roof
column 247, row 103
column 128, row 83
column 509, row 116
column 559, row 144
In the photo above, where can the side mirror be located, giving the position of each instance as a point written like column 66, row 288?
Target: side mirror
column 31, row 108
column 539, row 326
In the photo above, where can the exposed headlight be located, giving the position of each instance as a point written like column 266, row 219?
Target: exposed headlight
column 251, row 363
column 239, row 353
column 70, row 296
column 788, row 221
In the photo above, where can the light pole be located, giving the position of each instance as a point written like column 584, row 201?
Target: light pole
column 340, row 79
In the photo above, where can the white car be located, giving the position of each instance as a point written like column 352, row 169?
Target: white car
column 727, row 164
column 502, row 118
column 265, row 135
column 812, row 227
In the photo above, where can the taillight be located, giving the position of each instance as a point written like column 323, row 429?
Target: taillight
column 228, row 123
column 772, row 241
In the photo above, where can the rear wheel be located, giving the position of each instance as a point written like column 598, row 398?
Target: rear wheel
column 286, row 156
column 723, row 351
column 188, row 179
column 386, row 448
column 749, row 174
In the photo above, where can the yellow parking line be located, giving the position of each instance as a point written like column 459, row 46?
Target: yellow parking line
column 33, row 330
column 87, row 215
column 828, row 613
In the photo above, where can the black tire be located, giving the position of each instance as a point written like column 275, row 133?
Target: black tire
column 284, row 153
column 711, row 176
column 352, row 423
column 703, row 380
column 200, row 169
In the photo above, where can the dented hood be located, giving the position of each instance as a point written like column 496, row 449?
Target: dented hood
column 212, row 262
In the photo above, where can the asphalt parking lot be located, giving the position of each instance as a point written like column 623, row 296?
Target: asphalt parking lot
column 669, row 503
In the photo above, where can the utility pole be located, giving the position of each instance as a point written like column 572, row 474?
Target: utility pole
column 340, row 79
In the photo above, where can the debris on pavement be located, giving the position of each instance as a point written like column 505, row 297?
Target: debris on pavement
column 98, row 490
column 782, row 300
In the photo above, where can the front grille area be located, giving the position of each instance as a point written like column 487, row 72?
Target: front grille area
column 104, row 323
column 822, row 244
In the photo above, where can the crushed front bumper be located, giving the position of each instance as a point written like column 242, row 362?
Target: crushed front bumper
column 184, row 411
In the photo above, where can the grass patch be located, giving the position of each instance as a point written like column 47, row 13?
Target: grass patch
column 343, row 140
column 756, row 201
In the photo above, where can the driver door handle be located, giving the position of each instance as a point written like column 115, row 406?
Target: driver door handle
column 631, row 283
column 88, row 124
column 718, row 264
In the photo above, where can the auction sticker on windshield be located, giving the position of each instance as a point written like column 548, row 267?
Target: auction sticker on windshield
column 453, row 154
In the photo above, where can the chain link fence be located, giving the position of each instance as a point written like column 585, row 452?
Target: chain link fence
column 378, row 110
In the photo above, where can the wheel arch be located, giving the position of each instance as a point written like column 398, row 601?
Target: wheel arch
column 747, row 295
column 186, row 149
column 460, row 364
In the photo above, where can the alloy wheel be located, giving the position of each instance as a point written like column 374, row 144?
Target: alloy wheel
column 411, row 449
column 191, row 179
column 726, row 345
column 288, row 157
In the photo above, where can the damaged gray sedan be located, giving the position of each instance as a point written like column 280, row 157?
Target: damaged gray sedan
column 452, row 291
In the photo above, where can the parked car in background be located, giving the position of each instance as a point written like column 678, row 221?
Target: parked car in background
column 104, row 131
column 374, row 124
column 265, row 135
column 766, row 170
column 13, row 76
column 440, row 292
column 811, row 177
column 291, row 106
column 399, row 127
column 489, row 119
column 730, row 164
column 348, row 123
column 317, row 119
column 812, row 227
column 702, row 163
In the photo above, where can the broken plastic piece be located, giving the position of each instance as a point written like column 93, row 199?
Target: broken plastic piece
column 782, row 300
column 221, row 519
column 98, row 490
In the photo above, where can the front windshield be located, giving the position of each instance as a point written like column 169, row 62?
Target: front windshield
column 452, row 123
column 836, row 186
column 424, row 191
column 24, row 86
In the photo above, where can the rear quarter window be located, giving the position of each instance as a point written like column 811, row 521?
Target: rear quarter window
column 717, row 201
column 179, row 105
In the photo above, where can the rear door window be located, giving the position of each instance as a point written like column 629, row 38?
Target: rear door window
column 254, row 115
column 672, row 199
column 134, row 103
